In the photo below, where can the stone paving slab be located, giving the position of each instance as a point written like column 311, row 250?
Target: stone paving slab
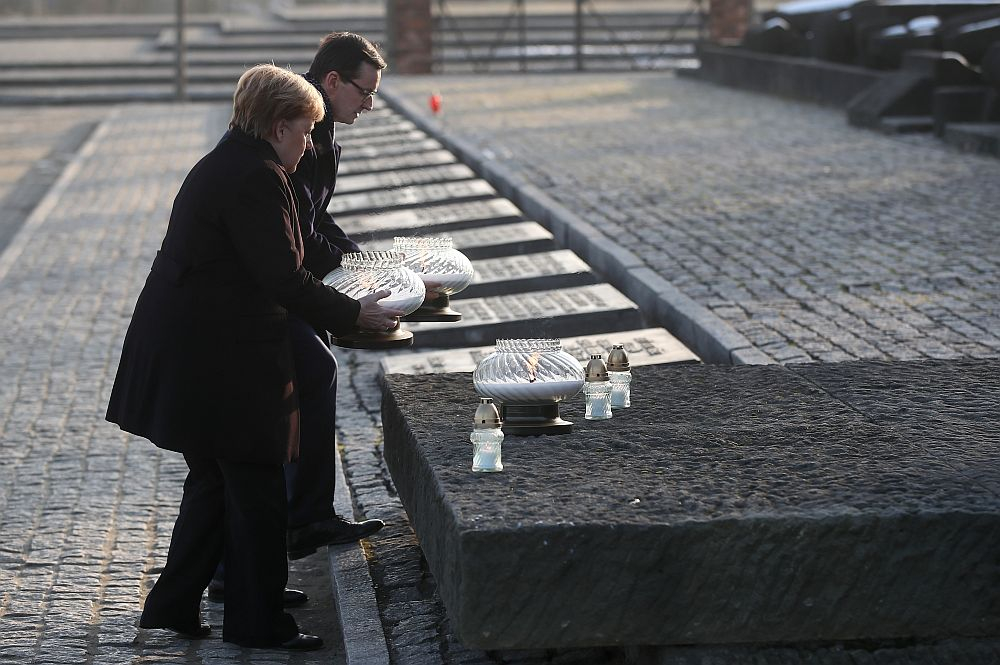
column 350, row 165
column 728, row 505
column 524, row 273
column 403, row 177
column 557, row 313
column 486, row 242
column 411, row 196
column 444, row 217
column 649, row 346
column 372, row 139
column 424, row 144
column 376, row 127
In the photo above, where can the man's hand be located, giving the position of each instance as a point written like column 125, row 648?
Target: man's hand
column 373, row 316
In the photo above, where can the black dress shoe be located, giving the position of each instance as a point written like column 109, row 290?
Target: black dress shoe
column 292, row 597
column 194, row 632
column 304, row 540
column 302, row 642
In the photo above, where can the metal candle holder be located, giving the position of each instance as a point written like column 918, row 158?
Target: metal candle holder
column 364, row 273
column 529, row 377
column 444, row 269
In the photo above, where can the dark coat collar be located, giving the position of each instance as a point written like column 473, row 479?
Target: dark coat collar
column 323, row 134
column 262, row 147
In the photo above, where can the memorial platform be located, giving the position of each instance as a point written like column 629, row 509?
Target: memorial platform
column 798, row 505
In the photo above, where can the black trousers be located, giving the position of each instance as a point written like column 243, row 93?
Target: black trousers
column 238, row 509
column 311, row 481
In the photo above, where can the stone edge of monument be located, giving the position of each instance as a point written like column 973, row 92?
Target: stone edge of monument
column 461, row 551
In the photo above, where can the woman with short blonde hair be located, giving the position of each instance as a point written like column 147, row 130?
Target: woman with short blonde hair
column 266, row 93
column 207, row 366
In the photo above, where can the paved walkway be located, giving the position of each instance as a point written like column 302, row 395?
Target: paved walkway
column 815, row 240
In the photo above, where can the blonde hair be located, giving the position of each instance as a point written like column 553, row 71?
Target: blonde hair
column 266, row 94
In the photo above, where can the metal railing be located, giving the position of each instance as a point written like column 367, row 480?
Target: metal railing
column 515, row 23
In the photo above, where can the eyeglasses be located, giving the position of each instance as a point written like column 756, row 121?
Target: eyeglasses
column 365, row 93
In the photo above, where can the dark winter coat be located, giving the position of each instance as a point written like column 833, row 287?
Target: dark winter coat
column 206, row 367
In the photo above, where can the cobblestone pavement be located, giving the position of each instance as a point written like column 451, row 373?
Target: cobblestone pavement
column 85, row 510
column 815, row 240
column 36, row 147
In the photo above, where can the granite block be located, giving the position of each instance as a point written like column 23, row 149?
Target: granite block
column 729, row 505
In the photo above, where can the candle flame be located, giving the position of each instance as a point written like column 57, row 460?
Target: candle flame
column 532, row 365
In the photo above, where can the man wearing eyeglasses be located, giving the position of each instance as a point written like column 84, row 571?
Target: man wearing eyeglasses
column 347, row 70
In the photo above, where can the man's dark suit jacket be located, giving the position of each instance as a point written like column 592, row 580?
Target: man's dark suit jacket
column 315, row 180
column 206, row 367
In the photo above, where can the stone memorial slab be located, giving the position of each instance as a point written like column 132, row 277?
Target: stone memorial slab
column 581, row 310
column 349, row 165
column 559, row 269
column 389, row 149
column 364, row 129
column 649, row 346
column 429, row 219
column 380, row 115
column 486, row 242
column 377, row 139
column 407, row 197
column 403, row 177
column 805, row 506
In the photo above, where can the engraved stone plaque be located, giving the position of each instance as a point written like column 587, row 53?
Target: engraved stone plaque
column 415, row 195
column 365, row 129
column 376, row 139
column 349, row 165
column 555, row 313
column 648, row 346
column 428, row 219
column 529, row 272
column 403, row 177
column 487, row 242
column 366, row 151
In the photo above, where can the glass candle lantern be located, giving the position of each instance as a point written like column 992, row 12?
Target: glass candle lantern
column 620, row 377
column 529, row 377
column 487, row 438
column 444, row 270
column 597, row 389
column 364, row 273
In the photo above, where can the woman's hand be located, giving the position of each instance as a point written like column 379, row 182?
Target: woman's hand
column 373, row 316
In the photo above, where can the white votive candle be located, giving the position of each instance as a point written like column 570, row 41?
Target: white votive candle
column 486, row 448
column 621, row 397
column 598, row 400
